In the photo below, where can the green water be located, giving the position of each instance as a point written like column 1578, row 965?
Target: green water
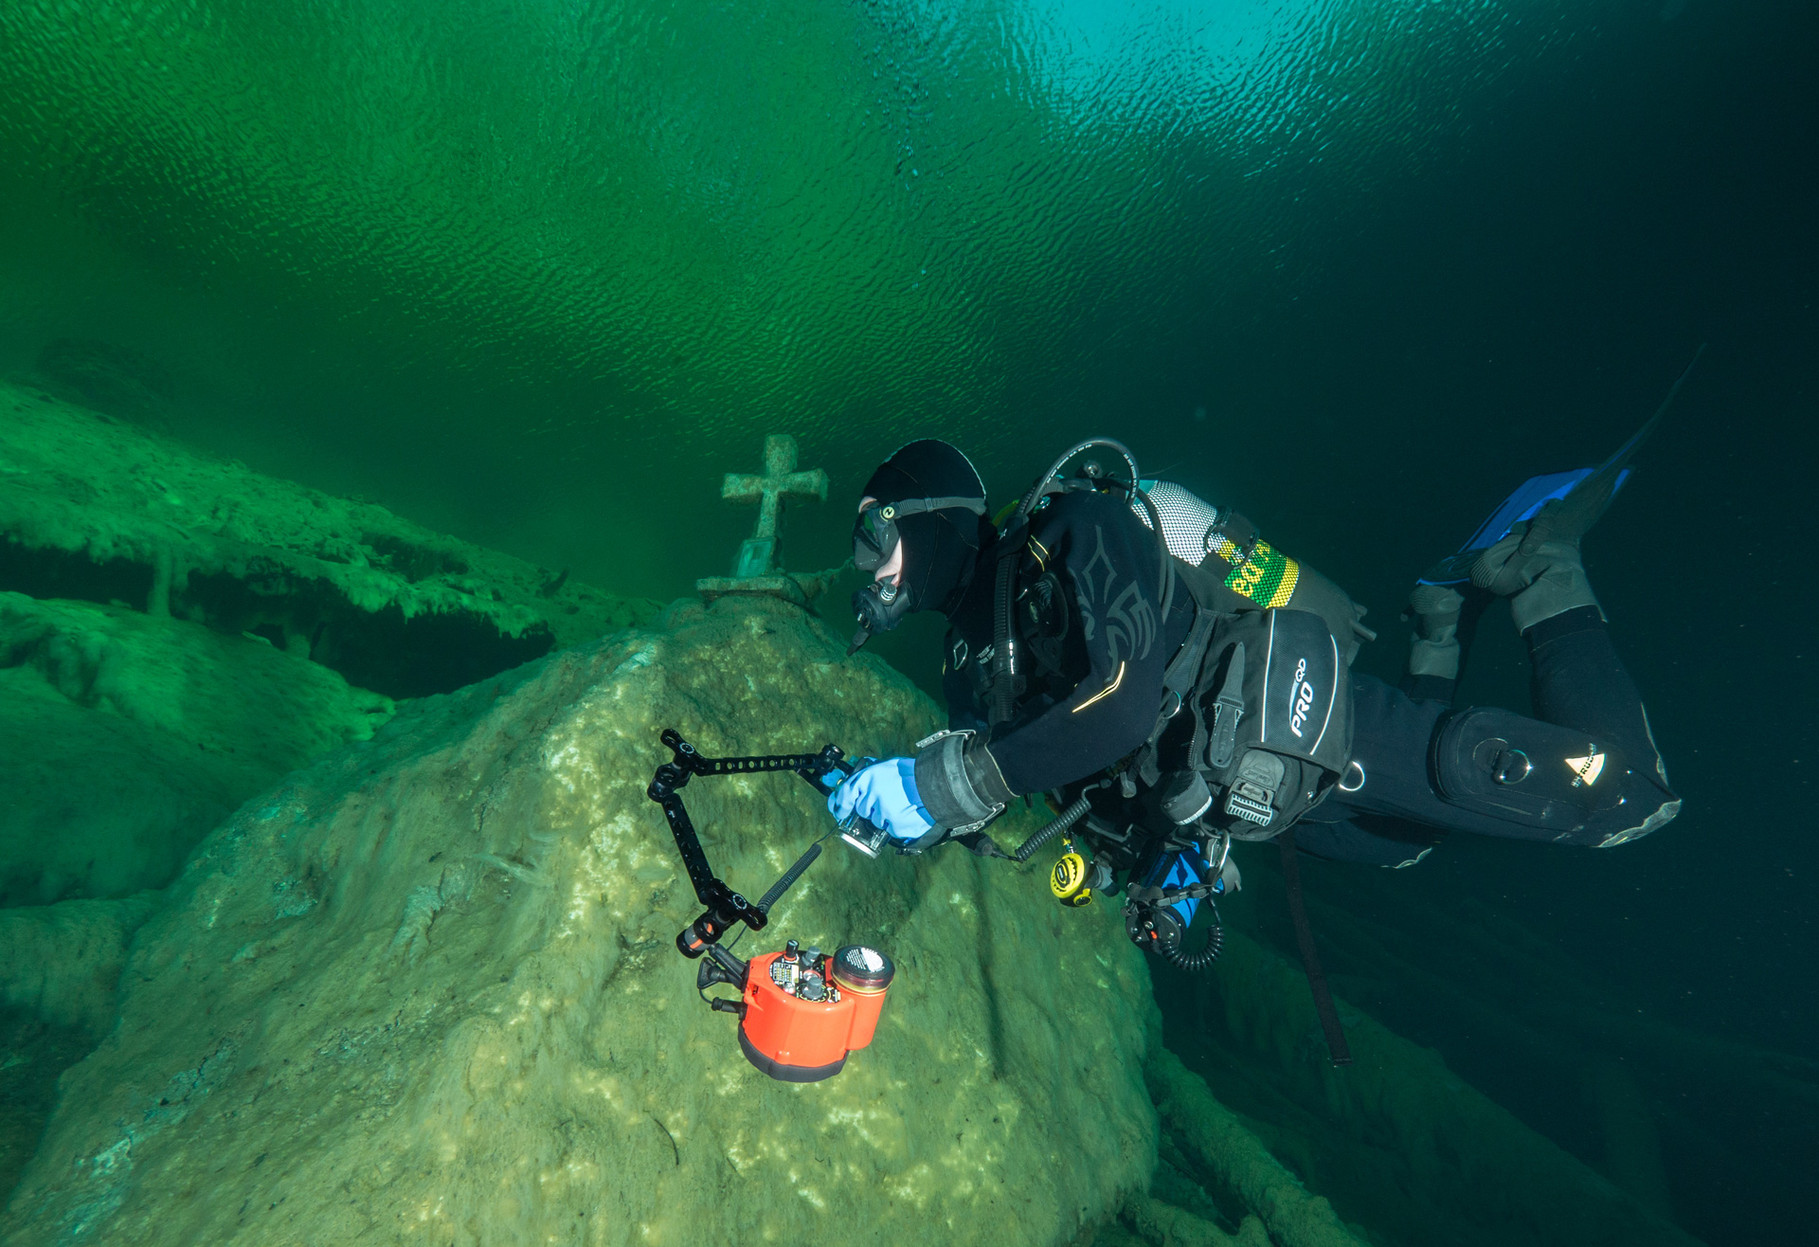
column 537, row 274
column 482, row 260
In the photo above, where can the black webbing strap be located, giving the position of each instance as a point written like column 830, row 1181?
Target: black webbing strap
column 1183, row 670
column 1228, row 705
column 1168, row 896
column 1178, row 680
column 1003, row 667
column 917, row 506
column 1310, row 958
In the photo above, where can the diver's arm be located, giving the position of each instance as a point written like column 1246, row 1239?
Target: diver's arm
column 1110, row 564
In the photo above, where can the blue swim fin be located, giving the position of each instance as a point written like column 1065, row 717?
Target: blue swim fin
column 1583, row 494
column 1522, row 504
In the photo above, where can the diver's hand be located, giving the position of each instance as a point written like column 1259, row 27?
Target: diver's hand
column 884, row 795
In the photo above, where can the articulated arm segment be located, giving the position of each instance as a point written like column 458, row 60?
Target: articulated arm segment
column 814, row 767
column 724, row 907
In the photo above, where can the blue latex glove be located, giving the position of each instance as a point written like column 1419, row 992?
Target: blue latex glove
column 884, row 795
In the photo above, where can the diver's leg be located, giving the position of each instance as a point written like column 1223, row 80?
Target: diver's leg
column 1577, row 683
column 1494, row 772
column 1576, row 678
column 1585, row 771
column 1365, row 839
column 1433, row 650
column 1390, row 782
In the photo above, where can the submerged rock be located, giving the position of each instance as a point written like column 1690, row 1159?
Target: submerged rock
column 427, row 989
column 63, row 961
column 96, row 510
column 126, row 737
column 177, row 632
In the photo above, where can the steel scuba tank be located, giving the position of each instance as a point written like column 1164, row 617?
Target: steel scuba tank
column 1245, row 572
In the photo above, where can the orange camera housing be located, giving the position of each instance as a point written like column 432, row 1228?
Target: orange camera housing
column 798, row 1040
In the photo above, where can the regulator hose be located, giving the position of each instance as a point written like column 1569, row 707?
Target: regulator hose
column 1209, row 952
column 1062, row 821
column 1004, row 692
column 1003, row 668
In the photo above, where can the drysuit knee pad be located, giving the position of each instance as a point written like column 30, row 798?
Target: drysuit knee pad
column 1542, row 775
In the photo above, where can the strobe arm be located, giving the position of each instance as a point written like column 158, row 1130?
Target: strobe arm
column 723, row 907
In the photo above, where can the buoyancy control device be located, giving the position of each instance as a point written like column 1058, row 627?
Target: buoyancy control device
column 1255, row 721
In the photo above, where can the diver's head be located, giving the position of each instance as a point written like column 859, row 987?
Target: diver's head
column 920, row 526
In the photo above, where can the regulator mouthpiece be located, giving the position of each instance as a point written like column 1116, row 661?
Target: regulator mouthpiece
column 878, row 607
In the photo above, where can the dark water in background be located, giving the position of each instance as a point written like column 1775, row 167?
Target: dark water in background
column 540, row 281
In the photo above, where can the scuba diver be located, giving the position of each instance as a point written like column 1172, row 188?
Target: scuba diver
column 1172, row 683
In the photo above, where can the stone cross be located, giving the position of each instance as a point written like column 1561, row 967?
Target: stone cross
column 759, row 566
column 758, row 555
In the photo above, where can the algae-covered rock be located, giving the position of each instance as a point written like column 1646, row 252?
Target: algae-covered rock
column 426, row 990
column 1240, row 1164
column 62, row 962
column 125, row 737
column 92, row 508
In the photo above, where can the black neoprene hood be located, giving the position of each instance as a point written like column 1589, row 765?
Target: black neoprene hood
column 940, row 548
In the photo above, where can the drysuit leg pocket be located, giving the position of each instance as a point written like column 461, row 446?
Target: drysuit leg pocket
column 1541, row 775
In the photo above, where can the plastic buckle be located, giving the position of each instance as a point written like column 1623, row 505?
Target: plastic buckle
column 1250, row 802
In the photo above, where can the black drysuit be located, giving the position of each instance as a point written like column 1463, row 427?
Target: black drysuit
column 1097, row 697
column 1396, row 813
column 1100, row 700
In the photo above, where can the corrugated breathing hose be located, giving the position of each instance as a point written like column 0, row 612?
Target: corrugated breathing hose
column 1062, row 821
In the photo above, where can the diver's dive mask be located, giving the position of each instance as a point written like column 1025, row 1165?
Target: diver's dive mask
column 875, row 532
column 882, row 605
